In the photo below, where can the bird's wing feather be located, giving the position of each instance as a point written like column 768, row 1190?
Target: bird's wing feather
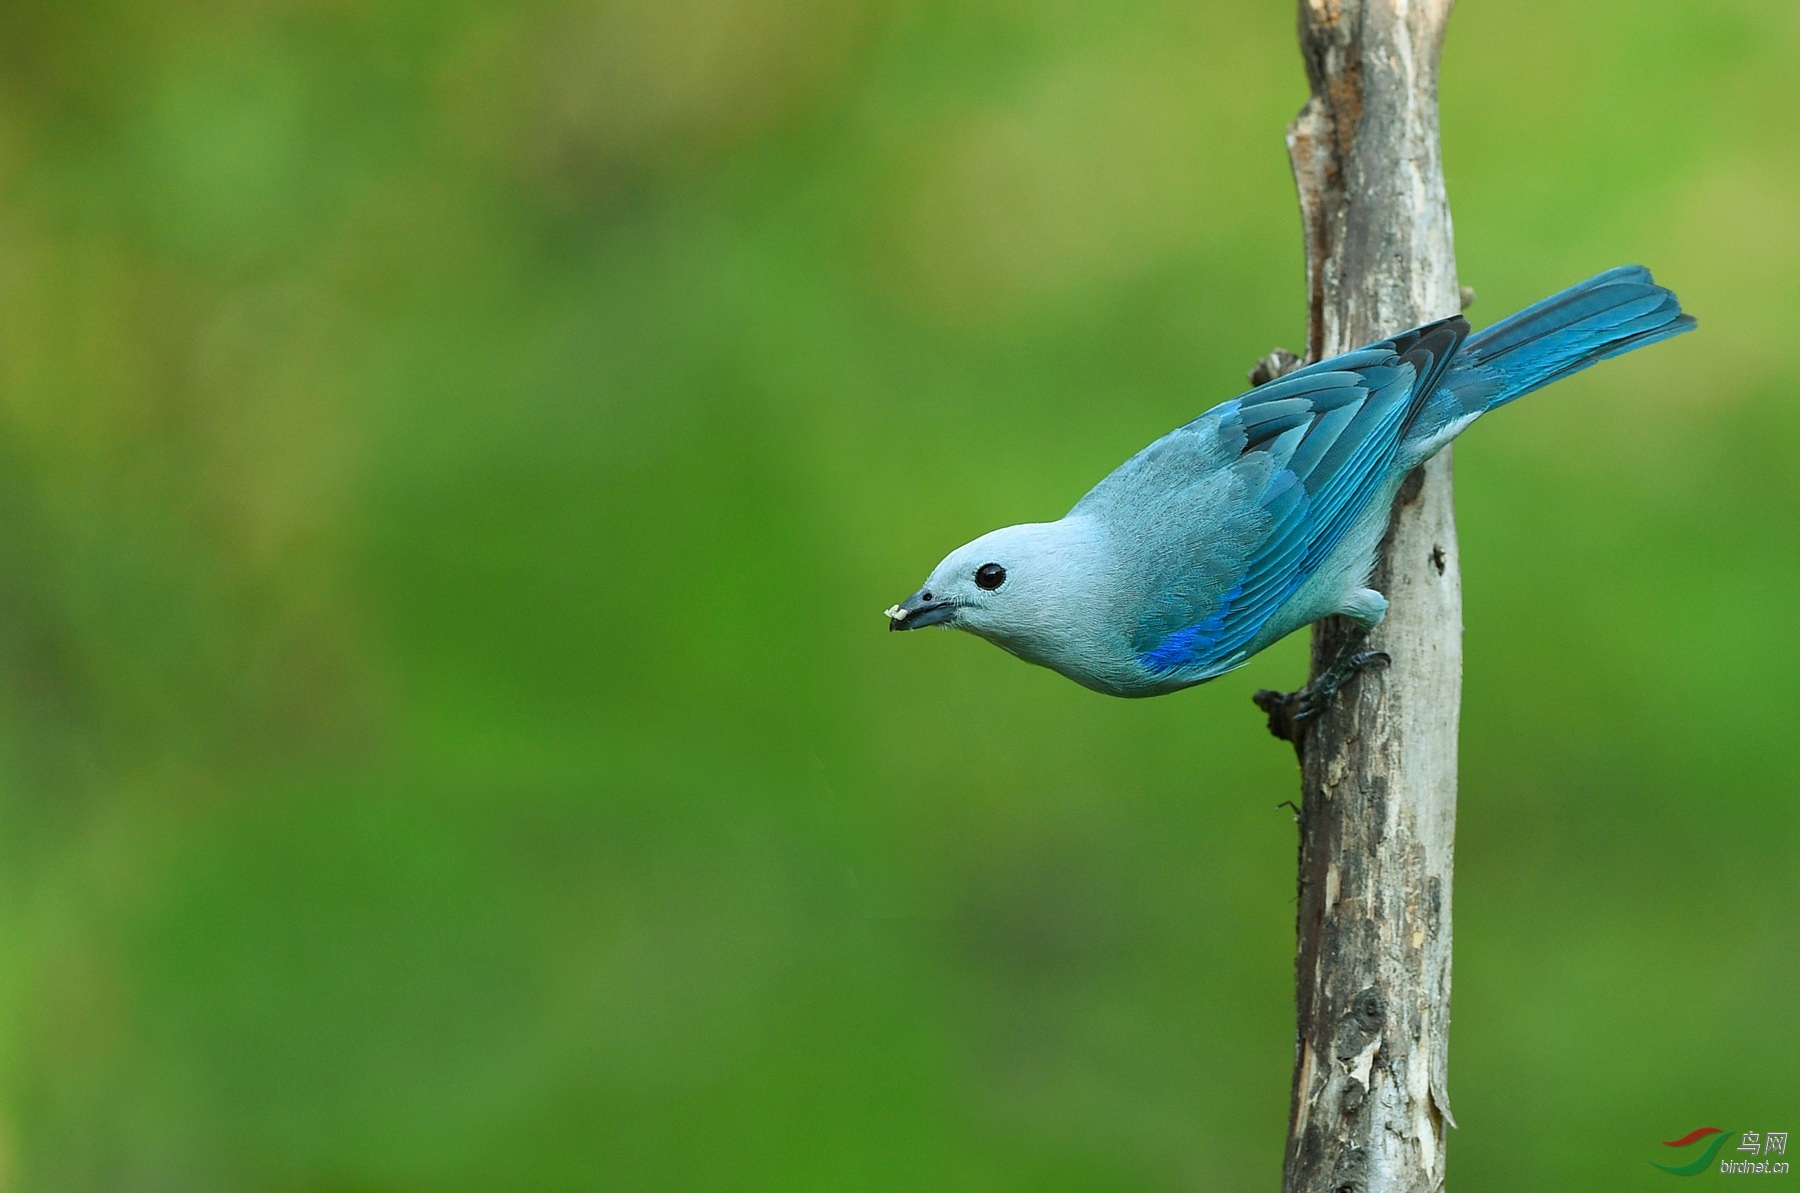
column 1274, row 481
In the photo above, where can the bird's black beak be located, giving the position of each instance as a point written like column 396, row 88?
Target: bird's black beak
column 919, row 610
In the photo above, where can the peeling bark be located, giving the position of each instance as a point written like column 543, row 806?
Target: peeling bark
column 1378, row 816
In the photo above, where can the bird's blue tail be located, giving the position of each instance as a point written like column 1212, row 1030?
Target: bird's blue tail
column 1606, row 315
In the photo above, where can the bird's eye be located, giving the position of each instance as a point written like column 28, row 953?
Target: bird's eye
column 990, row 576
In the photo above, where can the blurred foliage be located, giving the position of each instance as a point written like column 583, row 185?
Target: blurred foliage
column 452, row 460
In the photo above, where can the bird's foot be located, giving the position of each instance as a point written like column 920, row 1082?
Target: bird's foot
column 1289, row 711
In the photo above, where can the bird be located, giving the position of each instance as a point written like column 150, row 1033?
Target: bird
column 1265, row 514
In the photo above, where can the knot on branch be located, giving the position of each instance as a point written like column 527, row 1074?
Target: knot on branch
column 1278, row 363
column 1368, row 1010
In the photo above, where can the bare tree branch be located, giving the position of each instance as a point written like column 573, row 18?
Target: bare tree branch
column 1372, row 971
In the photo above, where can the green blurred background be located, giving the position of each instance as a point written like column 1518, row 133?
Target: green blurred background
column 453, row 458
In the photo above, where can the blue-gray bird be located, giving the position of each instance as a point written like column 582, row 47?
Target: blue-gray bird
column 1264, row 514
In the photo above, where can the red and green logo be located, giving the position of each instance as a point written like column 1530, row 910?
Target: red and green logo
column 1705, row 1159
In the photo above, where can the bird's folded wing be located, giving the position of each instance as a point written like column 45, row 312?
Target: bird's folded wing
column 1311, row 450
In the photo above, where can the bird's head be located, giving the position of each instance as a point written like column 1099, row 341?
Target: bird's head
column 1016, row 587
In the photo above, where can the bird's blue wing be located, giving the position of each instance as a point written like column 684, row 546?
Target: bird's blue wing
column 1312, row 449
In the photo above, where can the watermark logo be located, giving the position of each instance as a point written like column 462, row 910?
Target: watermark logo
column 1760, row 1144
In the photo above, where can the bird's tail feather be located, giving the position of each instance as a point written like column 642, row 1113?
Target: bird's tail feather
column 1606, row 315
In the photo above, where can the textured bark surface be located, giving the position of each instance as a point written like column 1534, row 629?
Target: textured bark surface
column 1378, row 819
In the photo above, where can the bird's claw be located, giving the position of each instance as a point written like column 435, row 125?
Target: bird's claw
column 1288, row 711
column 1364, row 659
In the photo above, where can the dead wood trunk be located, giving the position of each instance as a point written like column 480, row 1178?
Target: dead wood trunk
column 1372, row 971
